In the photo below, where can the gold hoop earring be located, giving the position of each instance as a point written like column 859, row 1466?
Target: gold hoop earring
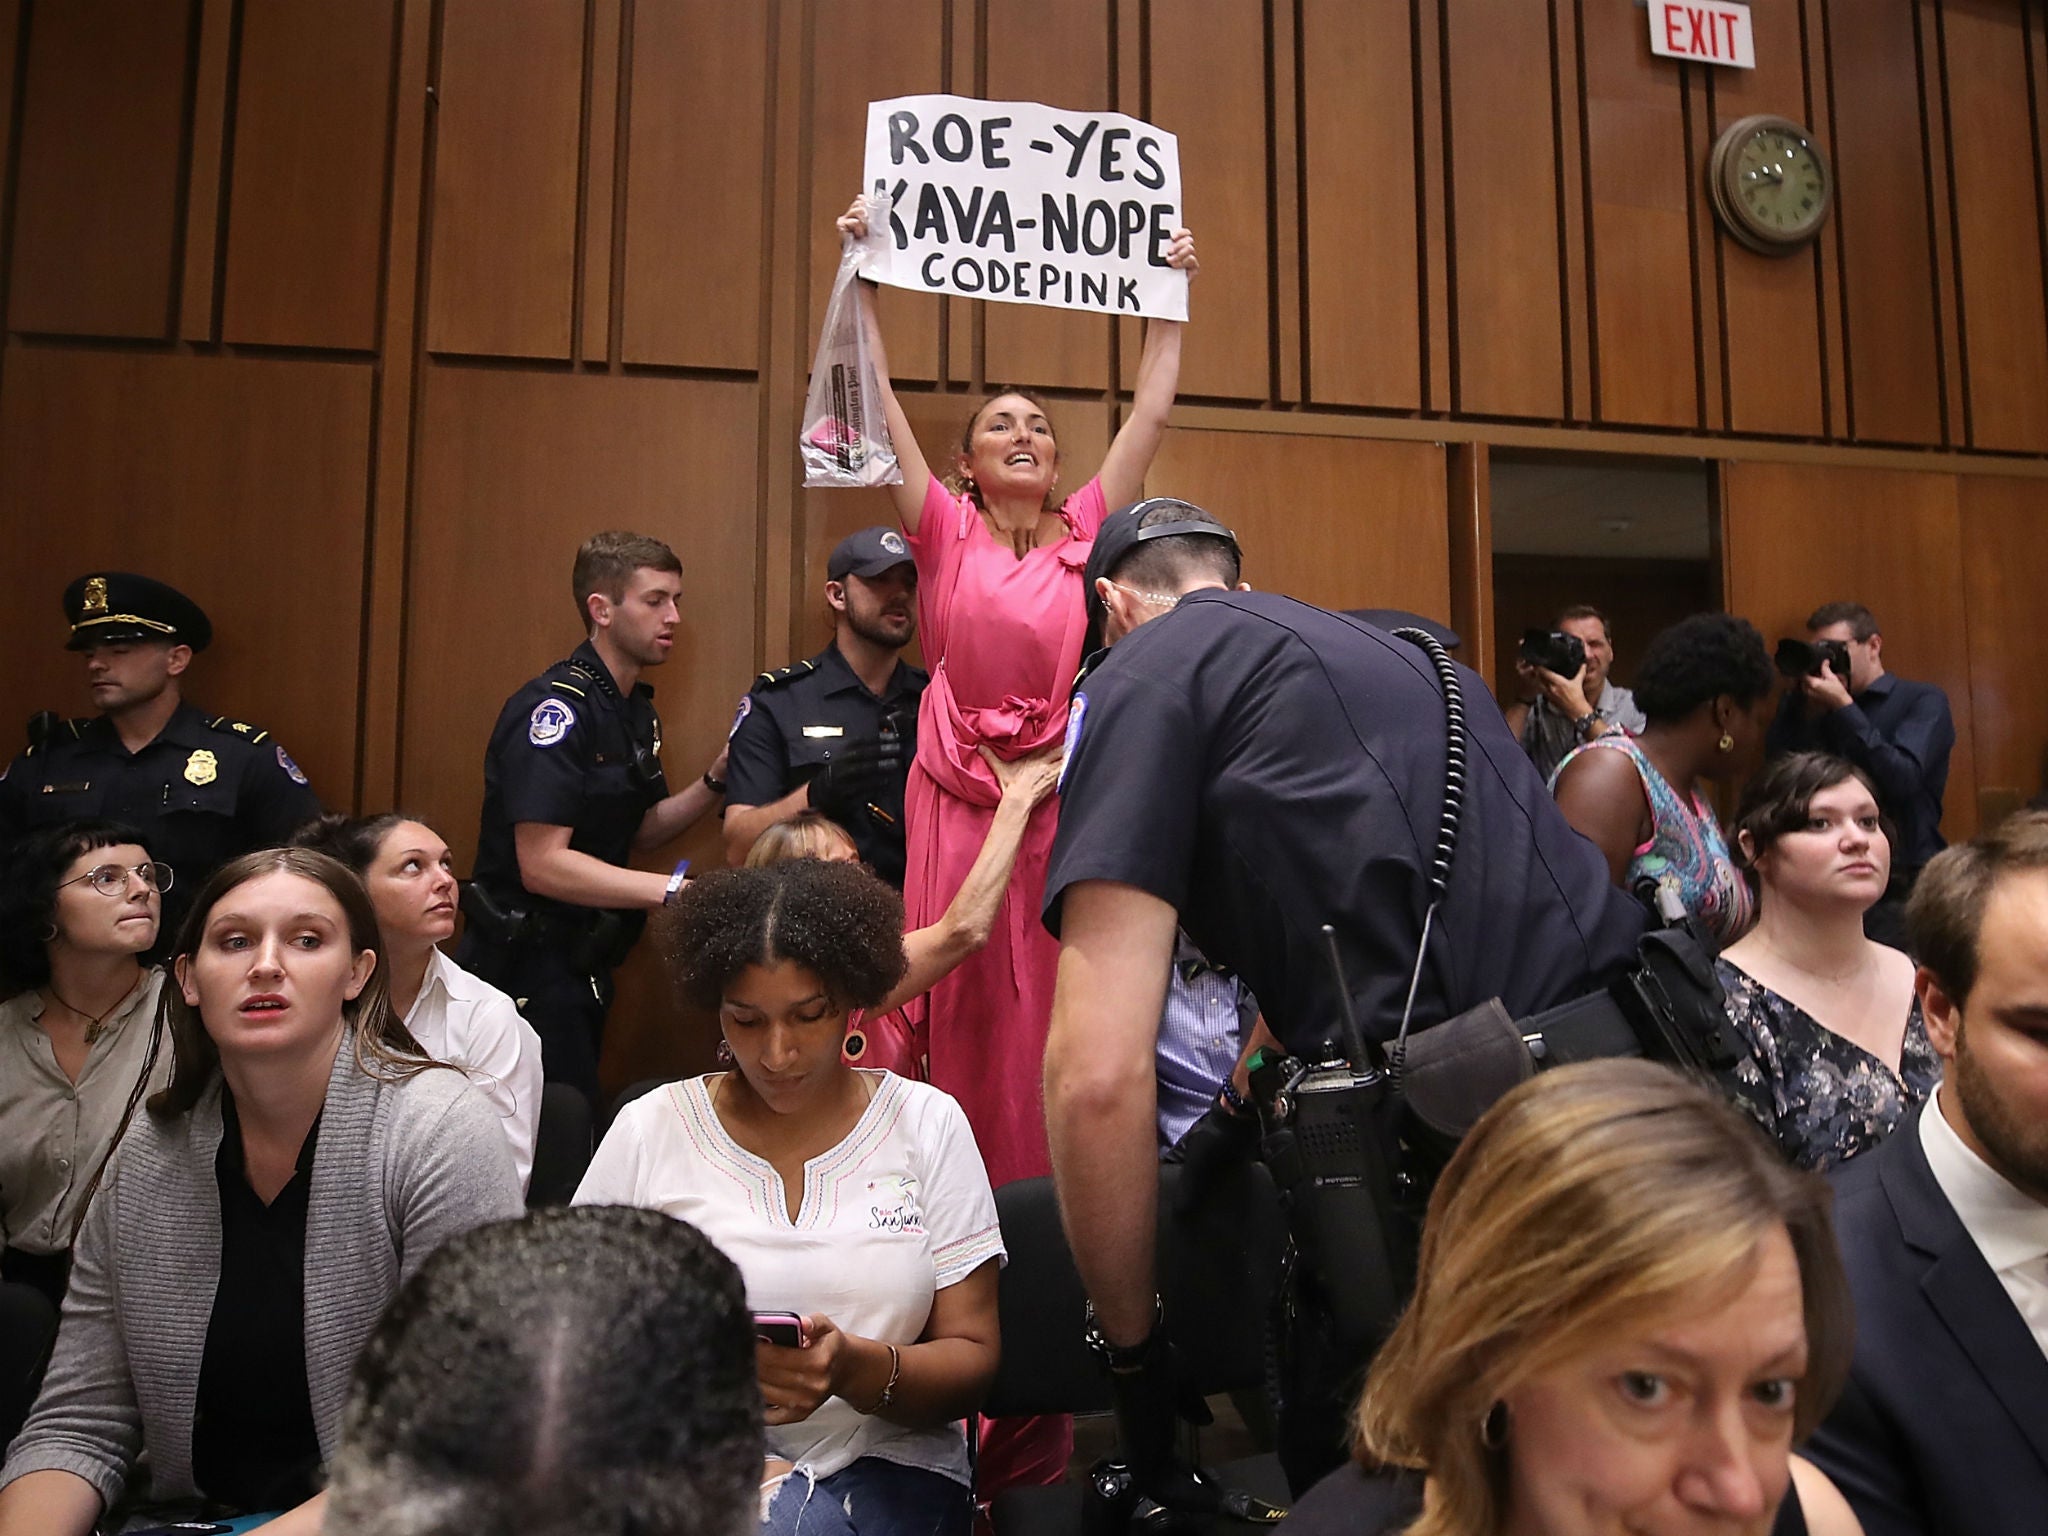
column 1726, row 743
column 1493, row 1429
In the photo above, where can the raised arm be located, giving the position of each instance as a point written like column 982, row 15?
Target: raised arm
column 917, row 476
column 969, row 917
column 1137, row 442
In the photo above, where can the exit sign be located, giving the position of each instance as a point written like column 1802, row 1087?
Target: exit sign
column 1708, row 31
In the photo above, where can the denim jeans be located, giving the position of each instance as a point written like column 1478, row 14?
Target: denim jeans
column 872, row 1497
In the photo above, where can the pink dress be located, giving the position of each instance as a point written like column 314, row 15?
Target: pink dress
column 1002, row 637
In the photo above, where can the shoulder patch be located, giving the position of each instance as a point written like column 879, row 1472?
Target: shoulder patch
column 292, row 770
column 746, row 708
column 550, row 721
column 1076, row 713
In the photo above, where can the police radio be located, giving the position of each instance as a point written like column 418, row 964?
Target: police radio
column 1324, row 1139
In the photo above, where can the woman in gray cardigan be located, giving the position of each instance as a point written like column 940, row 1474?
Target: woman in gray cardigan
column 303, row 1160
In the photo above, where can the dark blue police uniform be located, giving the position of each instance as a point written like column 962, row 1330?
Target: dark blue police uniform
column 207, row 789
column 569, row 750
column 1267, row 767
column 794, row 721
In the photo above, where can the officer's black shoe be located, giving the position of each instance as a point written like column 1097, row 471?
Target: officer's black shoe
column 1111, row 1503
column 1156, row 1488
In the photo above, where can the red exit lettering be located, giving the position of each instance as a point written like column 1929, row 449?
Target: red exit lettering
column 1714, row 33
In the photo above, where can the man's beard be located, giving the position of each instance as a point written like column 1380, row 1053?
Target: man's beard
column 871, row 628
column 2019, row 1149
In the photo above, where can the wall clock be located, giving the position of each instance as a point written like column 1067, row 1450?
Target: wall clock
column 1770, row 184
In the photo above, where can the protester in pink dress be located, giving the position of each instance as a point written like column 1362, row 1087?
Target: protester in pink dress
column 1002, row 612
column 1001, row 609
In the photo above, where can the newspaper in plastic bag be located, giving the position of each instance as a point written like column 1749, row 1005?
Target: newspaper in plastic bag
column 845, row 435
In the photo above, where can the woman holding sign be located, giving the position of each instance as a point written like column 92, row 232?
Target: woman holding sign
column 999, row 563
column 999, row 559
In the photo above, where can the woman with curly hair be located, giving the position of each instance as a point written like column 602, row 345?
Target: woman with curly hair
column 1704, row 686
column 854, row 1199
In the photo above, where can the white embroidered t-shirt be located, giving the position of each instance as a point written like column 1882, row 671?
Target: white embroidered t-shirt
column 895, row 1213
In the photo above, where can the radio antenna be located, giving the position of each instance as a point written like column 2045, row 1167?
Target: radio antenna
column 1361, row 1056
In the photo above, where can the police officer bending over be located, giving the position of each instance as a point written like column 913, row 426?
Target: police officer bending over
column 1251, row 768
column 201, row 789
column 836, row 733
column 573, row 787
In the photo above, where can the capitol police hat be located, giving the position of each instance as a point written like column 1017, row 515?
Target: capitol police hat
column 1120, row 534
column 867, row 553
column 110, row 606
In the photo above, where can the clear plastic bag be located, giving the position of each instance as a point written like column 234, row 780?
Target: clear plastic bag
column 845, row 435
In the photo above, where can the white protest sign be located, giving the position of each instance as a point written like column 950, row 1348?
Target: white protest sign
column 1031, row 204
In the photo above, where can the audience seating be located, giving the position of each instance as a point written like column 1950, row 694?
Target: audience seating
column 562, row 1146
column 1219, row 1270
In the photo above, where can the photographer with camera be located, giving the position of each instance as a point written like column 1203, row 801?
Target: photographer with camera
column 1898, row 731
column 1576, row 702
column 1251, row 769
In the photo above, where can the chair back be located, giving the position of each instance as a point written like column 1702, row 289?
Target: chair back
column 561, row 1146
column 1219, row 1267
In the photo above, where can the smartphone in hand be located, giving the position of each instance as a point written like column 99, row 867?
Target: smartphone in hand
column 782, row 1328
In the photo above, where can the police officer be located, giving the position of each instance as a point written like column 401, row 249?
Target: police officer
column 573, row 787
column 837, row 733
column 201, row 789
column 1251, row 768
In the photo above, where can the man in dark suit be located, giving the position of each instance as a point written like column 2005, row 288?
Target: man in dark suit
column 1944, row 1228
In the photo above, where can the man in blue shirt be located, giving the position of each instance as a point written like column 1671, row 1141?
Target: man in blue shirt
column 1898, row 731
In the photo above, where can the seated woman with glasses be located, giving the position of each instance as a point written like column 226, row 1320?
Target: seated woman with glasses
column 78, row 925
column 255, row 1218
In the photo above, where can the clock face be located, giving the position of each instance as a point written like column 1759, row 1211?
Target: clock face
column 1770, row 184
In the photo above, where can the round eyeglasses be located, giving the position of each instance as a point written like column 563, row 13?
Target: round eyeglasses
column 112, row 879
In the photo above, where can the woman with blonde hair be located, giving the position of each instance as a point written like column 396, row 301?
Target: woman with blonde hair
column 1628, row 1310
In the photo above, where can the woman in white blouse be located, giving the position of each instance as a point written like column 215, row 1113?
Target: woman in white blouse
column 854, row 1199
column 78, row 922
column 456, row 1017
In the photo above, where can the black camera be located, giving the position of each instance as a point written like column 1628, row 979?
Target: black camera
column 1553, row 651
column 1805, row 658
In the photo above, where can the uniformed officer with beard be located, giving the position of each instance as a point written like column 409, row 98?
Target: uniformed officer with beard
column 836, row 733
column 573, row 788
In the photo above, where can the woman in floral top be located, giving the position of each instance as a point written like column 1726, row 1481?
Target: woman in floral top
column 1836, row 1051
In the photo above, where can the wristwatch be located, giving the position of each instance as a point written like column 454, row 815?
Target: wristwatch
column 1586, row 725
column 716, row 786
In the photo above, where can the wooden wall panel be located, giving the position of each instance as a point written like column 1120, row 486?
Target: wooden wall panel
column 1998, row 226
column 2005, row 571
column 1796, row 536
column 1362, row 524
column 1769, row 305
column 242, row 482
column 1640, row 246
column 1363, row 258
column 96, row 212
column 1208, row 79
column 862, row 51
column 555, row 457
column 1881, row 203
column 507, row 146
column 1024, row 344
column 312, row 119
column 1506, row 306
column 693, row 260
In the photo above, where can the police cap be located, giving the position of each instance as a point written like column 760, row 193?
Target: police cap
column 1120, row 534
column 110, row 606
column 867, row 553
